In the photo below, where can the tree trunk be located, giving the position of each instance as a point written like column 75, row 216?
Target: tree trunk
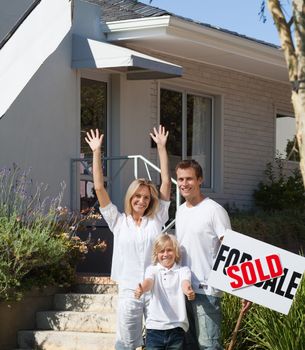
column 298, row 101
column 294, row 52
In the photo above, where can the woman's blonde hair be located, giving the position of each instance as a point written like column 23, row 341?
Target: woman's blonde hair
column 154, row 197
column 160, row 243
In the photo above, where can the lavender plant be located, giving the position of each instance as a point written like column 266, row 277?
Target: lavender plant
column 38, row 246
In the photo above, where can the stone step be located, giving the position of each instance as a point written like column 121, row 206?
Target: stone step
column 85, row 302
column 76, row 321
column 95, row 288
column 95, row 285
column 55, row 340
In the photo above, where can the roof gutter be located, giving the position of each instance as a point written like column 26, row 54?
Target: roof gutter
column 203, row 35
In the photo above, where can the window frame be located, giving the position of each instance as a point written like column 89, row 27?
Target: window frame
column 185, row 91
column 285, row 114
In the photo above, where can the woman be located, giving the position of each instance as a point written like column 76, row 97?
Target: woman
column 134, row 233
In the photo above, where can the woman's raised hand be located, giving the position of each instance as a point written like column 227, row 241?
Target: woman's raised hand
column 94, row 140
column 159, row 136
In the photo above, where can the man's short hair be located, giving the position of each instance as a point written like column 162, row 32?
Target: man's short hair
column 190, row 163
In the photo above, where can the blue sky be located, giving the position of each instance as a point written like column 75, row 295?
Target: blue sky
column 241, row 16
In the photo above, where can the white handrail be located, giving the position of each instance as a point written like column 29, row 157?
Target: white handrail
column 136, row 159
column 149, row 163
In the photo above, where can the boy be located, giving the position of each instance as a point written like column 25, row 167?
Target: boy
column 166, row 322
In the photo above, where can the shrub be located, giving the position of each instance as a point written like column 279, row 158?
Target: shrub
column 284, row 229
column 38, row 246
column 270, row 330
column 280, row 192
column 231, row 306
column 265, row 329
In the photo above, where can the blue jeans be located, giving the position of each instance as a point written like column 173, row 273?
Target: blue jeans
column 168, row 339
column 204, row 315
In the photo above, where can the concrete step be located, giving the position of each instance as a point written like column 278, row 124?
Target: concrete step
column 85, row 302
column 55, row 340
column 76, row 321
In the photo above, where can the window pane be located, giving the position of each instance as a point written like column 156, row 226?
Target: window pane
column 199, row 133
column 171, row 118
column 93, row 116
column 286, row 145
column 93, row 110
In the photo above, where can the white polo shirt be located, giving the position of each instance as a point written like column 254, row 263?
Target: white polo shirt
column 133, row 244
column 167, row 304
column 198, row 231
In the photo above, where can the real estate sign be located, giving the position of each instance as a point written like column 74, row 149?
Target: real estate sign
column 257, row 271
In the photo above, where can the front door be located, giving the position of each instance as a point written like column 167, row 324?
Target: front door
column 94, row 96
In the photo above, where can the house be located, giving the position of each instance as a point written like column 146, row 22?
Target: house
column 124, row 67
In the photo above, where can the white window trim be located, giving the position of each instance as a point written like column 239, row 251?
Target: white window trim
column 288, row 114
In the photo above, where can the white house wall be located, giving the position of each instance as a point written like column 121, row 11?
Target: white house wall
column 131, row 124
column 41, row 129
column 248, row 118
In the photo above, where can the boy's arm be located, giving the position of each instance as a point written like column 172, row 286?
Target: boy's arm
column 143, row 287
column 188, row 290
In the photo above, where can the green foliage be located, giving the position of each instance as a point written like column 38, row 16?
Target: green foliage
column 38, row 247
column 284, row 229
column 263, row 328
column 292, row 150
column 280, row 192
column 22, row 249
column 270, row 330
column 230, row 306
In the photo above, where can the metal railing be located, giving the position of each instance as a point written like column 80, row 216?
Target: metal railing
column 86, row 164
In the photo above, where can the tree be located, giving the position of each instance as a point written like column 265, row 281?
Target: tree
column 292, row 38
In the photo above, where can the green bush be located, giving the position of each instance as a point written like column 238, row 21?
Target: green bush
column 280, row 192
column 284, row 229
column 38, row 246
column 231, row 306
column 264, row 329
column 270, row 330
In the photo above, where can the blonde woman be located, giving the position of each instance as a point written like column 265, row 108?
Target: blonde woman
column 135, row 230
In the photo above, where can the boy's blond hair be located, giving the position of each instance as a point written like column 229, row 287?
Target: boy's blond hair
column 154, row 200
column 159, row 244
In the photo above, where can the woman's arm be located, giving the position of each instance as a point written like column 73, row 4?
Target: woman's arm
column 160, row 138
column 95, row 140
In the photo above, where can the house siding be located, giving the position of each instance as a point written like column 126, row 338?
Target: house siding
column 250, row 104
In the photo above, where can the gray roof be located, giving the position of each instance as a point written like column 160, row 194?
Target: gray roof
column 116, row 10
column 12, row 14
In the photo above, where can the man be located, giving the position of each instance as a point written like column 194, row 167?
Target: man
column 200, row 226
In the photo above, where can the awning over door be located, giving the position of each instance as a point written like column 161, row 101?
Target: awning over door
column 89, row 53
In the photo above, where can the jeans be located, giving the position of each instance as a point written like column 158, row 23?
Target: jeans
column 204, row 314
column 168, row 339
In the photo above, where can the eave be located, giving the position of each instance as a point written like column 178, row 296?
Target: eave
column 186, row 39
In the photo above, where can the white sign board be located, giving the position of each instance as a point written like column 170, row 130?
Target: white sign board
column 267, row 261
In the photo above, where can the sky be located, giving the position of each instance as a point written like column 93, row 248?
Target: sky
column 241, row 16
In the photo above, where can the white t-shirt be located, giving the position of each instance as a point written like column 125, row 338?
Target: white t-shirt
column 166, row 308
column 132, row 247
column 198, row 230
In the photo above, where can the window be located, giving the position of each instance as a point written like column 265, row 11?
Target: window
column 189, row 118
column 93, row 116
column 286, row 145
column 93, row 110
